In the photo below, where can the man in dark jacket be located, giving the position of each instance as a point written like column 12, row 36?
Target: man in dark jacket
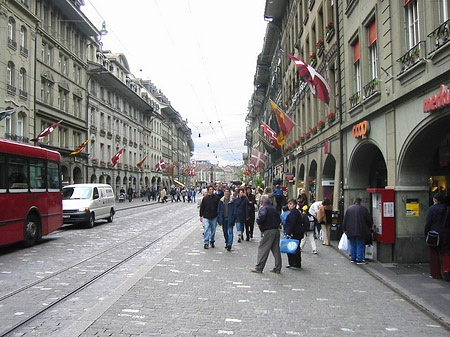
column 438, row 220
column 226, row 217
column 208, row 216
column 357, row 225
column 269, row 223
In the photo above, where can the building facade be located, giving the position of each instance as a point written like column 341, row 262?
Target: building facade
column 56, row 70
column 384, row 135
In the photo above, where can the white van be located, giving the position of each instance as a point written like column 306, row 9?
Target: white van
column 85, row 203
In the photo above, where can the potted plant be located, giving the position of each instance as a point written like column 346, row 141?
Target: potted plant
column 313, row 57
column 321, row 125
column 329, row 29
column 314, row 130
column 331, row 117
column 320, row 46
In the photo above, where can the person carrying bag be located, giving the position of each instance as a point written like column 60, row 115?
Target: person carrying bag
column 437, row 236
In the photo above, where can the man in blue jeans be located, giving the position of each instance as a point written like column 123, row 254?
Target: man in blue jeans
column 357, row 225
column 208, row 215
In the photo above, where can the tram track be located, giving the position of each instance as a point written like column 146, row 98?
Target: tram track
column 148, row 243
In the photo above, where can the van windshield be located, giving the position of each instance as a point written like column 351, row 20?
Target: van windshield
column 71, row 193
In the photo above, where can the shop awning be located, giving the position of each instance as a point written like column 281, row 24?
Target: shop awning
column 179, row 183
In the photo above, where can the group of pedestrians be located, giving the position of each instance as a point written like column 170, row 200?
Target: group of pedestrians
column 221, row 207
column 184, row 194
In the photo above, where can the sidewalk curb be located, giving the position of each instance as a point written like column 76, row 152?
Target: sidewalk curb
column 433, row 313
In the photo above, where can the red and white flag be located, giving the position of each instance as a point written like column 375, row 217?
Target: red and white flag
column 272, row 135
column 116, row 157
column 317, row 83
column 258, row 158
column 161, row 165
column 46, row 132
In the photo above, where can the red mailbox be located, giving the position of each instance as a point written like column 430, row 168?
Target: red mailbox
column 383, row 214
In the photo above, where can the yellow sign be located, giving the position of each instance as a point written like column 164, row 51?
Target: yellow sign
column 412, row 207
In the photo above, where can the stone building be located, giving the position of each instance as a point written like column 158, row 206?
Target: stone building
column 384, row 135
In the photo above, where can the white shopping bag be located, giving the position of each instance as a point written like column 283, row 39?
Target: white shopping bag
column 344, row 243
column 369, row 252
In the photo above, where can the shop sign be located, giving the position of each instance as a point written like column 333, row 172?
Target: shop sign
column 437, row 101
column 361, row 130
column 289, row 176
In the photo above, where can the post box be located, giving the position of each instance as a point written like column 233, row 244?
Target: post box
column 383, row 214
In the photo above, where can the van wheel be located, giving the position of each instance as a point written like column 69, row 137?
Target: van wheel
column 111, row 215
column 32, row 232
column 91, row 221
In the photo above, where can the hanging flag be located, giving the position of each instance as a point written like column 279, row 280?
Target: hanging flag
column 116, row 157
column 272, row 135
column 46, row 132
column 80, row 148
column 258, row 159
column 319, row 86
column 139, row 165
column 194, row 163
column 170, row 169
column 284, row 122
column 161, row 165
column 267, row 146
column 6, row 113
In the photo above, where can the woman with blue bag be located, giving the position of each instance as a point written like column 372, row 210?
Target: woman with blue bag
column 294, row 230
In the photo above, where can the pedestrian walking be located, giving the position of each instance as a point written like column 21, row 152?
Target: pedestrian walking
column 325, row 219
column 311, row 222
column 241, row 212
column 357, row 225
column 438, row 219
column 250, row 221
column 294, row 230
column 208, row 216
column 268, row 221
column 283, row 216
column 226, row 214
column 130, row 193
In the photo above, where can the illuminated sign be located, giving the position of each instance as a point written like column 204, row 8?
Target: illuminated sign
column 361, row 130
column 437, row 101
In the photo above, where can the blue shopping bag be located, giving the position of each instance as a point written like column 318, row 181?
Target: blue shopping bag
column 289, row 246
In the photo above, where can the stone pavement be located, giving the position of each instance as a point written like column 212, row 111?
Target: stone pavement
column 196, row 292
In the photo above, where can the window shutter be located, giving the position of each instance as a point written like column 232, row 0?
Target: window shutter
column 372, row 33
column 356, row 52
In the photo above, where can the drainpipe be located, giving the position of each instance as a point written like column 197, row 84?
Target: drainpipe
column 341, row 136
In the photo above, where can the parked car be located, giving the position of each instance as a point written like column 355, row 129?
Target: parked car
column 85, row 203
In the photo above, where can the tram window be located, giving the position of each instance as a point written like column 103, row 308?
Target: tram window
column 53, row 176
column 37, row 175
column 3, row 179
column 17, row 174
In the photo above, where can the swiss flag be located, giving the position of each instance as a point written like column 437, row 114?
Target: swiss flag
column 116, row 157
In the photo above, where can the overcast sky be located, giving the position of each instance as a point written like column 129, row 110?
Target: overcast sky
column 200, row 53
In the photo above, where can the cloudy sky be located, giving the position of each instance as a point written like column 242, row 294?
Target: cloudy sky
column 200, row 53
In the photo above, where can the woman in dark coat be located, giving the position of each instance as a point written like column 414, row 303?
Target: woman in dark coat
column 295, row 230
column 250, row 221
column 438, row 220
column 241, row 205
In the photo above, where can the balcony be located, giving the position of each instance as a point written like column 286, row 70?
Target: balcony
column 23, row 94
column 17, row 138
column 93, row 129
column 12, row 44
column 118, row 138
column 24, row 51
column 102, row 132
column 371, row 88
column 354, row 99
column 109, row 135
column 439, row 37
column 11, row 89
column 412, row 56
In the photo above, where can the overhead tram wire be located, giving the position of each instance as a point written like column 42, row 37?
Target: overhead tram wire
column 203, row 64
column 209, row 84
